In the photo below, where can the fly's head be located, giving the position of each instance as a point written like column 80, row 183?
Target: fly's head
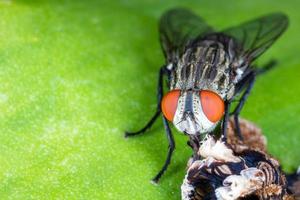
column 193, row 112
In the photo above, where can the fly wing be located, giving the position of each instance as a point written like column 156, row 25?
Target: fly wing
column 178, row 27
column 256, row 36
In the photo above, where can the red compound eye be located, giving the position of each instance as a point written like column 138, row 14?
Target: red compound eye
column 169, row 104
column 212, row 105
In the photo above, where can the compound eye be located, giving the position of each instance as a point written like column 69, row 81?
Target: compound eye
column 212, row 105
column 169, row 104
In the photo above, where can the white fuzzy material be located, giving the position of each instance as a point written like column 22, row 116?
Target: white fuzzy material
column 218, row 150
column 170, row 66
column 236, row 186
column 186, row 189
column 239, row 74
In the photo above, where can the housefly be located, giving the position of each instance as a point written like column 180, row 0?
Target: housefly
column 206, row 70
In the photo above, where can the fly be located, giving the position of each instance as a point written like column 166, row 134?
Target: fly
column 206, row 71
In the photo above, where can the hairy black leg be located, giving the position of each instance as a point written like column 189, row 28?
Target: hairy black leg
column 162, row 71
column 225, row 121
column 146, row 127
column 170, row 150
column 250, row 81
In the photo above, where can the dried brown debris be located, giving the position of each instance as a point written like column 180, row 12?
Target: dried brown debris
column 253, row 137
column 237, row 170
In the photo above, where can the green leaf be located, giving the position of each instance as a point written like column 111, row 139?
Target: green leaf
column 74, row 75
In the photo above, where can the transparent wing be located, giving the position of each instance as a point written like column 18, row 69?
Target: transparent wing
column 256, row 36
column 177, row 28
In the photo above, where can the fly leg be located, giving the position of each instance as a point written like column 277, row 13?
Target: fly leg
column 249, row 81
column 146, row 127
column 225, row 121
column 162, row 71
column 170, row 150
column 194, row 143
column 270, row 65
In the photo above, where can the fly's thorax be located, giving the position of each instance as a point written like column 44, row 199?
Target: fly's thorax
column 204, row 67
column 193, row 111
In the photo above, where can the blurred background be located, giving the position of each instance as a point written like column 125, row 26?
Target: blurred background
column 74, row 75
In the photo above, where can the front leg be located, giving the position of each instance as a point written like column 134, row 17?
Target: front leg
column 170, row 150
column 225, row 121
column 146, row 127
column 246, row 84
column 162, row 71
column 250, row 82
